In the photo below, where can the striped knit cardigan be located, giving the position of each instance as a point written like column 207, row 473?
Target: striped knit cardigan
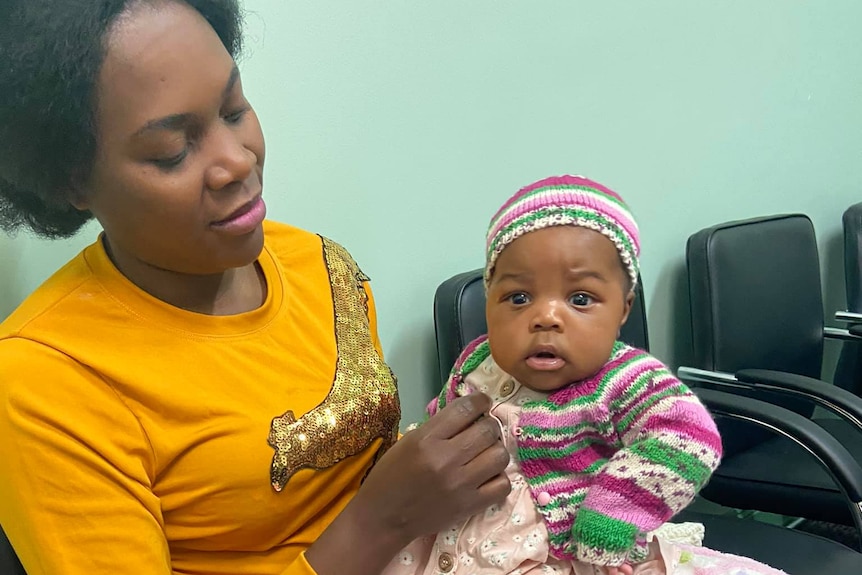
column 619, row 453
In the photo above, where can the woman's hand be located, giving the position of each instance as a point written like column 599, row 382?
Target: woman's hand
column 624, row 569
column 446, row 470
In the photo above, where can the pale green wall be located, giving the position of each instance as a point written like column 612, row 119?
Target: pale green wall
column 397, row 128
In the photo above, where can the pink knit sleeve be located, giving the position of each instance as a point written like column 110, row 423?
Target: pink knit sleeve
column 473, row 354
column 670, row 447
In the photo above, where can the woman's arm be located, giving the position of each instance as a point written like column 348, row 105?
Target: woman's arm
column 77, row 473
column 64, row 433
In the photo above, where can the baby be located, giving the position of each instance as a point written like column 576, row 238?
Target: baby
column 606, row 444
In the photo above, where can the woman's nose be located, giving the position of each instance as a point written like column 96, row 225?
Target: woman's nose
column 232, row 161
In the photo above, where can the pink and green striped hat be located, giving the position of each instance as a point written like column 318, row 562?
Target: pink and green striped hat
column 565, row 201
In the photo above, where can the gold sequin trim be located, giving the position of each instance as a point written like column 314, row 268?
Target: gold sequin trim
column 362, row 403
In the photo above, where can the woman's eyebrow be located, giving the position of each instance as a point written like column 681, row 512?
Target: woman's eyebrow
column 177, row 122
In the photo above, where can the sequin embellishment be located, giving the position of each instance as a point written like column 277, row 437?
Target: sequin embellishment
column 362, row 403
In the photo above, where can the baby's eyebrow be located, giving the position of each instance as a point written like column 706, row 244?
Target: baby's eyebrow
column 579, row 274
column 513, row 276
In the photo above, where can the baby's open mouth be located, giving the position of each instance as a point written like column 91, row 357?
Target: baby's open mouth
column 545, row 361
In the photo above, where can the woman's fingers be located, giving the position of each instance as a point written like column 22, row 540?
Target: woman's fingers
column 469, row 443
column 485, row 466
column 457, row 416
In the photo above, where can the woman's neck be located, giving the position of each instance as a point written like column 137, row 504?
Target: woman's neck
column 234, row 291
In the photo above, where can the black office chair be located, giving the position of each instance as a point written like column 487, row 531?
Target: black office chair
column 9, row 564
column 459, row 306
column 848, row 372
column 757, row 328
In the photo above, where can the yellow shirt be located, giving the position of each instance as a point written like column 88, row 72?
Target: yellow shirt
column 139, row 438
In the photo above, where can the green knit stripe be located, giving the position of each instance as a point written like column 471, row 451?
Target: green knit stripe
column 637, row 387
column 551, row 476
column 544, row 189
column 607, row 380
column 441, row 397
column 475, row 359
column 533, row 431
column 571, row 500
column 683, row 464
column 527, row 453
column 559, row 539
column 649, row 402
column 578, row 213
column 470, row 363
column 599, row 531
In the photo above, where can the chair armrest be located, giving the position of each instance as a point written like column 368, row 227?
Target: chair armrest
column 848, row 317
column 829, row 452
column 839, row 401
column 853, row 333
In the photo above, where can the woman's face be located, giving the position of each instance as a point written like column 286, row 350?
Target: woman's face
column 177, row 179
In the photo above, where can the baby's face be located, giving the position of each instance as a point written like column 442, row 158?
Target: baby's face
column 556, row 302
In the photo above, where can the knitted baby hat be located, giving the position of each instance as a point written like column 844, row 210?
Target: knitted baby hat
column 565, row 201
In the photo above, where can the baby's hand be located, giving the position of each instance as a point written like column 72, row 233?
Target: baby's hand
column 623, row 569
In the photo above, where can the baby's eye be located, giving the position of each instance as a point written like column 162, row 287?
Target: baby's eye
column 580, row 299
column 519, row 298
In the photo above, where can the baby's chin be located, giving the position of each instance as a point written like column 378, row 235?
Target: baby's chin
column 544, row 383
column 549, row 382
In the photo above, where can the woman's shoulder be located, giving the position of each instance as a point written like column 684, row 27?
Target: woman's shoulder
column 285, row 240
column 295, row 247
column 65, row 283
column 278, row 233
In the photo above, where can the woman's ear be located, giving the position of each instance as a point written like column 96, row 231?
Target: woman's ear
column 78, row 202
column 77, row 194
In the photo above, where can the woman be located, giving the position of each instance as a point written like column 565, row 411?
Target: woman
column 199, row 391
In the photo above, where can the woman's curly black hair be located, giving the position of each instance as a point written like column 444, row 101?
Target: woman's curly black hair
column 51, row 52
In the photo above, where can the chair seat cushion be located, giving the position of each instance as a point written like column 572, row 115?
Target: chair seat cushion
column 794, row 552
column 780, row 477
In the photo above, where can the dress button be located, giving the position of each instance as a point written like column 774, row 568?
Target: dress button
column 544, row 498
column 445, row 562
column 507, row 388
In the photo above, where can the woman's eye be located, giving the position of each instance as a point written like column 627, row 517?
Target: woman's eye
column 519, row 298
column 581, row 299
column 235, row 117
column 171, row 162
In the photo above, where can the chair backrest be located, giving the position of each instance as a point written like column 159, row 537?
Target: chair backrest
column 754, row 288
column 459, row 318
column 852, row 221
column 848, row 372
column 9, row 564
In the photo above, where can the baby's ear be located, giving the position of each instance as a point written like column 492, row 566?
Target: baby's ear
column 627, row 306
